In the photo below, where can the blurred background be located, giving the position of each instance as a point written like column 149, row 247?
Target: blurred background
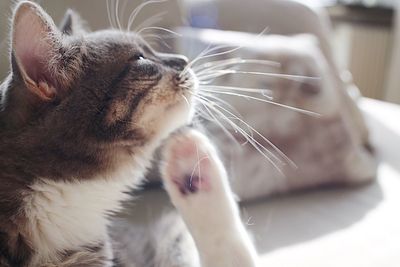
column 352, row 46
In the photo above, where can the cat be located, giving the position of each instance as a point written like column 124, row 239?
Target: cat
column 81, row 114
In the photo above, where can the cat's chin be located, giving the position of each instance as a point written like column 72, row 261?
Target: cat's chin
column 182, row 111
column 180, row 114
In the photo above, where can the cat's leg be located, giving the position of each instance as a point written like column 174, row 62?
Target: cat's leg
column 173, row 245
column 99, row 255
column 197, row 184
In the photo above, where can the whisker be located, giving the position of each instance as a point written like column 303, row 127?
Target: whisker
column 123, row 8
column 208, row 96
column 208, row 64
column 159, row 39
column 198, row 160
column 220, row 101
column 159, row 28
column 286, row 158
column 251, row 129
column 298, row 78
column 201, row 99
column 117, row 15
column 136, row 11
column 259, row 147
column 262, row 91
column 160, row 36
column 205, row 53
column 151, row 20
column 187, row 101
column 196, row 166
column 215, row 119
column 219, row 53
column 214, row 65
column 303, row 111
column 184, row 71
column 204, row 115
column 109, row 13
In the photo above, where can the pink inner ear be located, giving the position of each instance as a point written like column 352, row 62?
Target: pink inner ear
column 30, row 61
column 32, row 43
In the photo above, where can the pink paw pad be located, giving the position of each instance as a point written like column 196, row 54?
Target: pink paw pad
column 190, row 184
column 188, row 165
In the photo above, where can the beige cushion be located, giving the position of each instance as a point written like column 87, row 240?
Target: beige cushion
column 329, row 149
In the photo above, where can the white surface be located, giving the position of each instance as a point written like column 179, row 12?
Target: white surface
column 361, row 230
column 340, row 227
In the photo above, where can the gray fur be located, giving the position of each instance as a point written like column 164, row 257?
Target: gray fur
column 101, row 81
column 165, row 242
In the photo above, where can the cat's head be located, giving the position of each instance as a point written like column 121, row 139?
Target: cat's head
column 105, row 87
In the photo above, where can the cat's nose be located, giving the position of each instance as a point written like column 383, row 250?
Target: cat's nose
column 177, row 62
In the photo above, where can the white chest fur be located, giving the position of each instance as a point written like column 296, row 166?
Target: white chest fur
column 67, row 215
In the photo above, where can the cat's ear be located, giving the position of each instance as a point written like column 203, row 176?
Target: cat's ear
column 36, row 43
column 73, row 24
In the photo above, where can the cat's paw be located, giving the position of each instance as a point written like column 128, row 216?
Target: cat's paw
column 191, row 167
column 197, row 184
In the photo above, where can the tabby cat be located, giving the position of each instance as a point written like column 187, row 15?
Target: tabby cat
column 81, row 114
